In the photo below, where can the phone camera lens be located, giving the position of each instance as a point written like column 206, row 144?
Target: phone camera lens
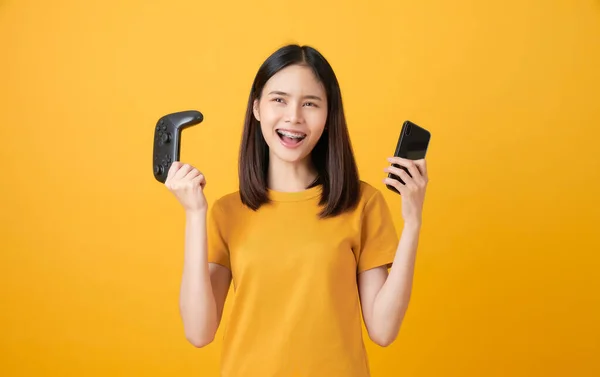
column 408, row 129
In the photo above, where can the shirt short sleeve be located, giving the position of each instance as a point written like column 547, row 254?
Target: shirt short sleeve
column 379, row 239
column 218, row 251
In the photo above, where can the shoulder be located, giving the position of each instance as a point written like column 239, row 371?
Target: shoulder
column 372, row 200
column 368, row 192
column 225, row 211
column 228, row 202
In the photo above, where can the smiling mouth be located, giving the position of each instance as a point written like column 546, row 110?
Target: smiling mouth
column 290, row 137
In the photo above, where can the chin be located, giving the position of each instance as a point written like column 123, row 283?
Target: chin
column 290, row 156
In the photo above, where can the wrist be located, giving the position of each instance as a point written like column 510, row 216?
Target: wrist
column 413, row 224
column 196, row 213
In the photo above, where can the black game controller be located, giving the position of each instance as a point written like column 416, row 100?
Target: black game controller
column 167, row 140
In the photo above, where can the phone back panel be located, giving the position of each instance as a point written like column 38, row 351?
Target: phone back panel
column 412, row 144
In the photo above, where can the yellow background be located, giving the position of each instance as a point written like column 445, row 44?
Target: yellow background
column 507, row 280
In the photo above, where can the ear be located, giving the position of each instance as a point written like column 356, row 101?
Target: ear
column 255, row 110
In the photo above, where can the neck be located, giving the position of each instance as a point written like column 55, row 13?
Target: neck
column 290, row 176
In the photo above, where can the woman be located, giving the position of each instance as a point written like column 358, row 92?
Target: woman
column 305, row 242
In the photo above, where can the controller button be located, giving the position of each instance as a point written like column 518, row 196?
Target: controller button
column 166, row 137
column 158, row 170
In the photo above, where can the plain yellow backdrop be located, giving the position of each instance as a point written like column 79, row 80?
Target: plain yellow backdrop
column 507, row 280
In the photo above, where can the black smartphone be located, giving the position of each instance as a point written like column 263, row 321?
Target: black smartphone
column 412, row 144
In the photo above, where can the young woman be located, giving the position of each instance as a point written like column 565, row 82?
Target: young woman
column 306, row 243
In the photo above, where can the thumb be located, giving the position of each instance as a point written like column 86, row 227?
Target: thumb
column 173, row 169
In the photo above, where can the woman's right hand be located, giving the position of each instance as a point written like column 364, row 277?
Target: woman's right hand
column 187, row 184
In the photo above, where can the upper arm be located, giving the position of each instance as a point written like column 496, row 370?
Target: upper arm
column 219, row 265
column 376, row 253
column 220, row 279
column 378, row 238
column 369, row 284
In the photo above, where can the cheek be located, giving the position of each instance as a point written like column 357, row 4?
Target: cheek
column 267, row 132
column 267, row 120
column 269, row 114
column 317, row 120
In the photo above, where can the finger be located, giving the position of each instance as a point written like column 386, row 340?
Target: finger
column 407, row 163
column 409, row 182
column 415, row 173
column 394, row 183
column 193, row 173
column 422, row 165
column 183, row 170
column 399, row 172
column 173, row 169
column 200, row 179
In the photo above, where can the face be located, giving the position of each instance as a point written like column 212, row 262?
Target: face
column 292, row 113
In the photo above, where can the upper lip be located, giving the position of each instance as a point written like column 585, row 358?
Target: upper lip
column 292, row 131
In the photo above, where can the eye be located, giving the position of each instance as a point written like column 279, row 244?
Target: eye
column 311, row 103
column 278, row 100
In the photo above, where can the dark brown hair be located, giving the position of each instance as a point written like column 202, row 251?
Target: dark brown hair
column 332, row 155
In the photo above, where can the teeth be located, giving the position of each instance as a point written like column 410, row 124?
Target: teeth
column 290, row 134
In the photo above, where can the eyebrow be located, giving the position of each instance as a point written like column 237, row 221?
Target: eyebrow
column 287, row 95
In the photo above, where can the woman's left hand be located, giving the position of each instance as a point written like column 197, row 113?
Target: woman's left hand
column 413, row 189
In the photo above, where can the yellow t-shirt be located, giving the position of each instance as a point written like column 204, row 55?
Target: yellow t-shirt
column 296, row 309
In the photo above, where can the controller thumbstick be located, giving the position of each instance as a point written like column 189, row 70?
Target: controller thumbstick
column 166, row 137
column 158, row 169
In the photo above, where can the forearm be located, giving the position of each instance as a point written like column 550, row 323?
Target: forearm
column 391, row 302
column 197, row 301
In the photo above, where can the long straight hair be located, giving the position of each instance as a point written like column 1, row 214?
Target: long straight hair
column 332, row 155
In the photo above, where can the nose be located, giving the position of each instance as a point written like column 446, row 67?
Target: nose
column 294, row 114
